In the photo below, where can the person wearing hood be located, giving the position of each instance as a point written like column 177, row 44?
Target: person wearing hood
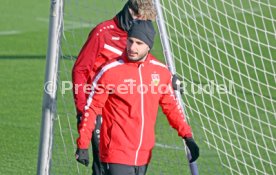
column 105, row 42
column 128, row 103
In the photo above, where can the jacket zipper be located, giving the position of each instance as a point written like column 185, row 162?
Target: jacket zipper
column 142, row 113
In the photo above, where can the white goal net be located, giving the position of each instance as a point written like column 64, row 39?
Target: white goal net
column 225, row 53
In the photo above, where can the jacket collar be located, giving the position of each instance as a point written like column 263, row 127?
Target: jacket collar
column 124, row 18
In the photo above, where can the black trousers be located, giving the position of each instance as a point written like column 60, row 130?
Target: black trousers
column 97, row 168
column 121, row 169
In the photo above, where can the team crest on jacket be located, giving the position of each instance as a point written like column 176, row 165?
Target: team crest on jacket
column 155, row 78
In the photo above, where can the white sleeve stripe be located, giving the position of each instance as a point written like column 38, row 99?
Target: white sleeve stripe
column 158, row 63
column 98, row 76
column 113, row 49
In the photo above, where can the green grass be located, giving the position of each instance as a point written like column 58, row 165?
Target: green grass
column 22, row 62
column 233, row 118
column 21, row 88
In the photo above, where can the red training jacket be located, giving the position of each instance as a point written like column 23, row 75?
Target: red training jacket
column 128, row 95
column 106, row 41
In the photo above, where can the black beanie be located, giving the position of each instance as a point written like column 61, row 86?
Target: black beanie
column 142, row 30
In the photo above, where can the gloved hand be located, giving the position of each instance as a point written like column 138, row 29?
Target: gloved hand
column 82, row 156
column 177, row 84
column 194, row 150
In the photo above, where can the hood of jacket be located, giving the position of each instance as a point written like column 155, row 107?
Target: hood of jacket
column 124, row 18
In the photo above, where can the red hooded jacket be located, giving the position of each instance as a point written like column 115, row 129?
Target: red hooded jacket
column 128, row 94
column 105, row 42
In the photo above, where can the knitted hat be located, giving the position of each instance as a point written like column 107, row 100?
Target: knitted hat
column 143, row 30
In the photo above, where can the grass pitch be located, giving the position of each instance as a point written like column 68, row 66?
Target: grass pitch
column 23, row 47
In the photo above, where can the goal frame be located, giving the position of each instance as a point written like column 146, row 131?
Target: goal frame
column 50, row 87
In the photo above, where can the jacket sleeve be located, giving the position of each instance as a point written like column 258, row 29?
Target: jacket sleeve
column 172, row 109
column 83, row 68
column 87, row 124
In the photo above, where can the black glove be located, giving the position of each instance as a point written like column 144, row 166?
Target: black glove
column 194, row 150
column 82, row 156
column 177, row 84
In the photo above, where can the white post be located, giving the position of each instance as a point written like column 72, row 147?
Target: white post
column 169, row 59
column 50, row 88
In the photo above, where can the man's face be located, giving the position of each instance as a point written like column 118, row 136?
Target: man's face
column 137, row 50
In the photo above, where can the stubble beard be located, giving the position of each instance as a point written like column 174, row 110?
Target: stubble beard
column 136, row 59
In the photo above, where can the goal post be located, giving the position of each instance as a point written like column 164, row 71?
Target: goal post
column 170, row 62
column 224, row 52
column 50, row 88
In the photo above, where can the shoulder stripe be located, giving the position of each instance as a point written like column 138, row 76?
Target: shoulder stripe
column 113, row 49
column 158, row 63
column 98, row 76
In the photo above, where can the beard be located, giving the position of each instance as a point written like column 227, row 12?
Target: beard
column 138, row 58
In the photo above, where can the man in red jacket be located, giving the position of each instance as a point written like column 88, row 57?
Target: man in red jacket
column 129, row 104
column 106, row 41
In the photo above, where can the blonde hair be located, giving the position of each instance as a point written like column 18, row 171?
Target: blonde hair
column 143, row 8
